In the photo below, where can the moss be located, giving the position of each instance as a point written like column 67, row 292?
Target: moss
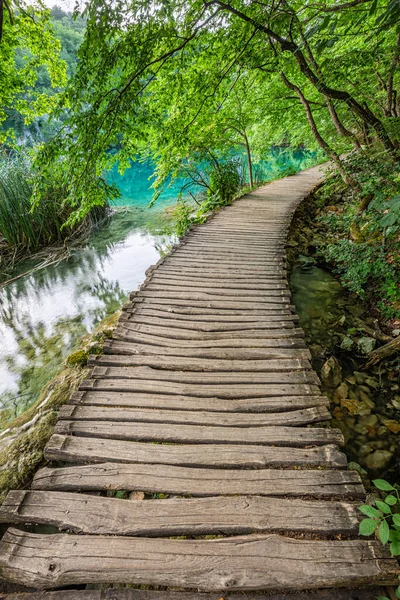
column 78, row 358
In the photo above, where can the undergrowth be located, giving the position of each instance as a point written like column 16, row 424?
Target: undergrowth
column 362, row 229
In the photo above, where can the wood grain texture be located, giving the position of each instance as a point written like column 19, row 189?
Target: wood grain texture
column 203, row 378
column 203, row 434
column 194, row 417
column 172, row 402
column 241, row 563
column 201, row 482
column 79, row 450
column 232, row 353
column 207, row 390
column 119, row 593
column 82, row 513
column 183, row 363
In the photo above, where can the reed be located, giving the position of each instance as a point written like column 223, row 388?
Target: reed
column 26, row 227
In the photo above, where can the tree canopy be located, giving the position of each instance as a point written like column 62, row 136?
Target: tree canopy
column 170, row 78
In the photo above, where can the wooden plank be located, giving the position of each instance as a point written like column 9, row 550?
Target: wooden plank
column 230, row 275
column 231, row 292
column 201, row 378
column 81, row 513
column 138, row 312
column 212, row 390
column 274, row 353
column 211, row 296
column 206, row 313
column 260, row 561
column 241, row 284
column 292, row 338
column 76, row 449
column 127, row 328
column 136, row 321
column 203, row 434
column 132, row 594
column 182, row 363
column 173, row 402
column 201, row 482
column 194, row 417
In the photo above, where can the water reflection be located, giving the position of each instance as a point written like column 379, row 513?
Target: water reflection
column 43, row 315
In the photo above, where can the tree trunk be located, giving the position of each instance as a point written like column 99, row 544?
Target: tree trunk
column 323, row 143
column 249, row 161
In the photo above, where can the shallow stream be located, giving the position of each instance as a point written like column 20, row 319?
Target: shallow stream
column 365, row 404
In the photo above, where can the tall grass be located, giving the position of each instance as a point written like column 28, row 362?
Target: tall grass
column 28, row 227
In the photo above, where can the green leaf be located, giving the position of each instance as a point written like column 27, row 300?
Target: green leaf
column 383, row 507
column 384, row 532
column 382, row 598
column 370, row 511
column 394, row 536
column 391, row 500
column 396, row 520
column 397, row 592
column 381, row 484
column 367, row 526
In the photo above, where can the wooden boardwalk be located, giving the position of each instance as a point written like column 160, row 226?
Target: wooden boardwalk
column 205, row 395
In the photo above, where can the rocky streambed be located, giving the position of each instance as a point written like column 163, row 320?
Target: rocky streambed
column 341, row 331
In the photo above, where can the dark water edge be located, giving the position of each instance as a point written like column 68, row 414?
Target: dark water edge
column 365, row 405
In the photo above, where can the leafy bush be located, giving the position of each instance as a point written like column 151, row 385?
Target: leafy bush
column 362, row 229
column 384, row 519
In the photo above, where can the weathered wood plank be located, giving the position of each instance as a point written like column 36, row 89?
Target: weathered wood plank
column 182, row 363
column 249, row 292
column 173, row 402
column 76, row 449
column 230, row 275
column 217, row 317
column 212, row 390
column 127, row 328
column 194, row 417
column 201, row 482
column 274, row 353
column 183, row 327
column 81, row 513
column 194, row 377
column 292, row 338
column 226, row 284
column 132, row 594
column 268, row 562
column 203, row 434
column 250, row 301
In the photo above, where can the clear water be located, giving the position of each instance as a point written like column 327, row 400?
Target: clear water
column 43, row 315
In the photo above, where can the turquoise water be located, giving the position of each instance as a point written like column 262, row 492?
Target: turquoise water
column 44, row 314
column 135, row 183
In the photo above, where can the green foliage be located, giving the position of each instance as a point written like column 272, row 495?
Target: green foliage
column 384, row 520
column 363, row 230
column 172, row 80
column 29, row 53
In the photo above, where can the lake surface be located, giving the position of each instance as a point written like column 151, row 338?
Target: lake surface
column 43, row 315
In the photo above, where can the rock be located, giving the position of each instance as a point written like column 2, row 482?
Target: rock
column 353, row 466
column 372, row 383
column 392, row 425
column 396, row 402
column 331, row 372
column 355, row 407
column 136, row 496
column 378, row 460
column 340, row 393
column 365, row 399
column 360, row 377
column 347, row 343
column 366, row 344
column 396, row 332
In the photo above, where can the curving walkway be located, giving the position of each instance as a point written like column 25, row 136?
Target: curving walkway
column 205, row 400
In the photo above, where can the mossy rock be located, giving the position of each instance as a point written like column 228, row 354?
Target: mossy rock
column 78, row 358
